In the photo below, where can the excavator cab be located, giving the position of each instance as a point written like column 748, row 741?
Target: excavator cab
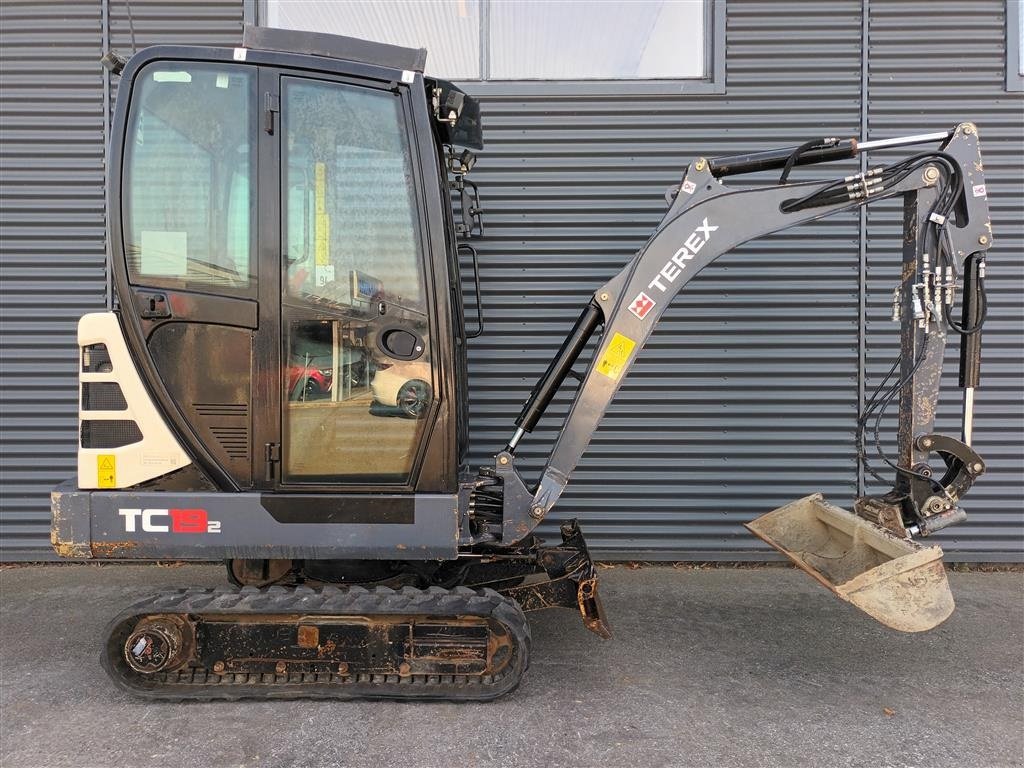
column 288, row 280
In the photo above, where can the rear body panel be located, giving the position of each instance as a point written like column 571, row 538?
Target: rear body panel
column 217, row 525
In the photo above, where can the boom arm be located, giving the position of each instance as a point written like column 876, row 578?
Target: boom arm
column 707, row 219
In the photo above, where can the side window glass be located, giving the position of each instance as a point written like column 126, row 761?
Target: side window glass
column 188, row 196
column 358, row 381
column 351, row 233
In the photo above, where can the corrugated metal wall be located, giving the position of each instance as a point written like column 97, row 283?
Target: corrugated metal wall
column 52, row 239
column 51, row 247
column 746, row 396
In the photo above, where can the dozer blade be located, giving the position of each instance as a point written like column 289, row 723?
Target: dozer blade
column 895, row 581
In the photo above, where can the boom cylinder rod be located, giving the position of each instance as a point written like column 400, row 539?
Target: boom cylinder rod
column 903, row 141
column 553, row 377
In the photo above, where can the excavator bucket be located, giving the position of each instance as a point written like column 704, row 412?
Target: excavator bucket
column 894, row 580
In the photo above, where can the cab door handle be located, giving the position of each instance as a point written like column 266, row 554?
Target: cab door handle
column 153, row 305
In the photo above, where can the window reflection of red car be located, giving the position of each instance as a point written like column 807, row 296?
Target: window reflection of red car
column 307, row 381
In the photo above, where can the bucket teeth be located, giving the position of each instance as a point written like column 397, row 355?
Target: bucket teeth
column 891, row 578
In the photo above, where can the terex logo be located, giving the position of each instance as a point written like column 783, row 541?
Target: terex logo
column 168, row 521
column 674, row 266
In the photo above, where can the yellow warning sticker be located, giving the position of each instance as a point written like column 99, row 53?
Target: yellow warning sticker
column 106, row 470
column 320, row 187
column 615, row 356
column 322, row 235
column 322, row 221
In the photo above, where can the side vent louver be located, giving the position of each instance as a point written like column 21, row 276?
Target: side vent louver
column 234, row 441
column 123, row 440
column 229, row 425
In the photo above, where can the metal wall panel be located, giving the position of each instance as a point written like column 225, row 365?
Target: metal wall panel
column 52, row 238
column 746, row 396
column 51, row 248
column 926, row 71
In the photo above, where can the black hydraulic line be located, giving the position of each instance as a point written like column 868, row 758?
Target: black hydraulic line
column 802, row 150
column 731, row 165
column 890, row 396
column 559, row 368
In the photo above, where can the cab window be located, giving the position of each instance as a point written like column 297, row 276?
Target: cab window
column 188, row 185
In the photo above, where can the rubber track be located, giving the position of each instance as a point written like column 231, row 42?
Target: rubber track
column 198, row 683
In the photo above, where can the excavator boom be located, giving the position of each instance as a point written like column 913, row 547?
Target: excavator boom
column 946, row 234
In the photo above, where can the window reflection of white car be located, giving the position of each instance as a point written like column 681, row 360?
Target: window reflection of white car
column 405, row 385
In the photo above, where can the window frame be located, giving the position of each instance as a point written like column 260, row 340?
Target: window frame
column 1014, row 79
column 714, row 80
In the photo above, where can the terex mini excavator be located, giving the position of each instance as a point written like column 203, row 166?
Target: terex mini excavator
column 283, row 383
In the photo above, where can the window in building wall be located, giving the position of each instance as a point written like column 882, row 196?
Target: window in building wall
column 522, row 40
column 448, row 29
column 573, row 40
column 1015, row 45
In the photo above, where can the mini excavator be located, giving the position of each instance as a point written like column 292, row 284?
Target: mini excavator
column 282, row 384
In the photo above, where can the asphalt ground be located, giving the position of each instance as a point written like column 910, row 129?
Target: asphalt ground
column 717, row 667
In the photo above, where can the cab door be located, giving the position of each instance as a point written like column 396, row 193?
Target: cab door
column 349, row 377
column 186, row 266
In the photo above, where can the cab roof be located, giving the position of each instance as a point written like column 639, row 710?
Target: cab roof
column 334, row 47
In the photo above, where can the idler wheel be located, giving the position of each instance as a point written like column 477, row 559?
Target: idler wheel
column 158, row 644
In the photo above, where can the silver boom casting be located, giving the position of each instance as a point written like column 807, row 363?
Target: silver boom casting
column 946, row 235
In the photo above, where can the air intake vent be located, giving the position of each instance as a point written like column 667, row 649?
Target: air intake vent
column 110, row 434
column 102, row 396
column 228, row 424
column 221, row 409
column 234, row 441
column 96, row 359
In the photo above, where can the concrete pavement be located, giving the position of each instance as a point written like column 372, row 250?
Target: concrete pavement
column 721, row 667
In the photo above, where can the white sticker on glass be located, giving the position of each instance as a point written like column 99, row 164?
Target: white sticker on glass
column 324, row 274
column 163, row 253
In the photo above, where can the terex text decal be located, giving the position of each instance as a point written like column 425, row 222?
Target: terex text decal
column 677, row 262
column 168, row 521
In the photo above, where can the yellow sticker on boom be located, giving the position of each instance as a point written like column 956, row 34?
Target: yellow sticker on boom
column 106, row 470
column 616, row 354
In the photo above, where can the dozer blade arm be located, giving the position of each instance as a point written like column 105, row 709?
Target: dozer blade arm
column 707, row 219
